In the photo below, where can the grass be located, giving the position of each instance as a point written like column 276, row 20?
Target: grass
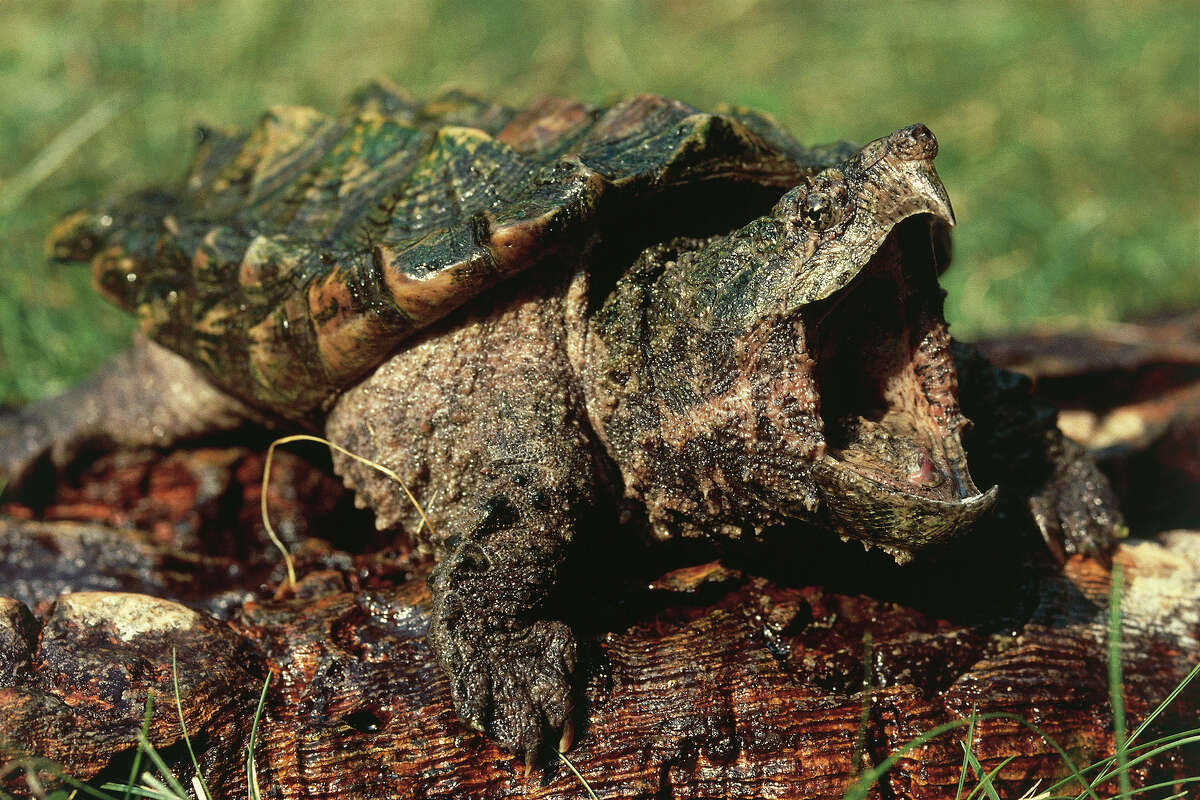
column 1068, row 129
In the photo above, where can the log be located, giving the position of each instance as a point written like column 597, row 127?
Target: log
column 782, row 671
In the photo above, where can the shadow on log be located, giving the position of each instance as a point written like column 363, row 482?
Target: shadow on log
column 743, row 677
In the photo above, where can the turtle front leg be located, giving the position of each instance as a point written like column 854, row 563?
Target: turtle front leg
column 1075, row 507
column 485, row 424
column 507, row 480
column 146, row 396
column 1015, row 442
column 494, row 627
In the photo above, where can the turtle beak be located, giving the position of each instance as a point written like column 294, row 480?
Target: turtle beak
column 896, row 521
column 890, row 180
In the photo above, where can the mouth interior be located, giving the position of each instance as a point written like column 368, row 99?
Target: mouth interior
column 885, row 376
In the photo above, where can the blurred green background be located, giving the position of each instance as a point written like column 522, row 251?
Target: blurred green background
column 1070, row 131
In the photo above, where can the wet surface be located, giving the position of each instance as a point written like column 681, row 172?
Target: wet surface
column 700, row 676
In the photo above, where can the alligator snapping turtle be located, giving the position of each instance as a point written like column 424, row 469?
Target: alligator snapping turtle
column 715, row 327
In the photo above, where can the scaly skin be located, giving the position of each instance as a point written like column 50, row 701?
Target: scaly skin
column 790, row 367
column 720, row 353
column 144, row 397
column 694, row 378
column 484, row 421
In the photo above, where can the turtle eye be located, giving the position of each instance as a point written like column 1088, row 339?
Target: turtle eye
column 818, row 210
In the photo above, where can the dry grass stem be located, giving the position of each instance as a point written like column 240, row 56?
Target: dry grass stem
column 304, row 437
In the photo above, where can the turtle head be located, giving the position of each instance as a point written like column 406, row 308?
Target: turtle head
column 800, row 366
column 868, row 241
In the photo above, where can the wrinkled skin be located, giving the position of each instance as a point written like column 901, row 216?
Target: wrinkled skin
column 794, row 369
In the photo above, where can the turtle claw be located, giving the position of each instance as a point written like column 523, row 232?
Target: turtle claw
column 1076, row 511
column 517, row 686
column 568, row 734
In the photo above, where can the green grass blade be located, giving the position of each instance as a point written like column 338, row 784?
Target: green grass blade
column 88, row 790
column 1165, row 703
column 1116, row 684
column 962, row 770
column 985, row 778
column 142, row 791
column 1062, row 754
column 1167, row 785
column 1162, row 744
column 859, row 790
column 161, row 765
column 1192, row 738
column 136, row 768
column 183, row 725
column 586, row 786
column 54, row 154
column 252, row 789
column 152, row 783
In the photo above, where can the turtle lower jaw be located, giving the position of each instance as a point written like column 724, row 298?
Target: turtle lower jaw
column 893, row 471
column 901, row 513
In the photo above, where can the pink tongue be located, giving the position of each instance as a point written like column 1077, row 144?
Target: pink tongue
column 924, row 474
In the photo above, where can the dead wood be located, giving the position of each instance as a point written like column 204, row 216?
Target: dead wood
column 739, row 678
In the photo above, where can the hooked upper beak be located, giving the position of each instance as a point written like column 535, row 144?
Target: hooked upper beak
column 892, row 179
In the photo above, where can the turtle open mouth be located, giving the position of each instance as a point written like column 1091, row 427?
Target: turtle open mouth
column 894, row 471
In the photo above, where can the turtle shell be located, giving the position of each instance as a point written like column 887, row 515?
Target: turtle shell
column 296, row 256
